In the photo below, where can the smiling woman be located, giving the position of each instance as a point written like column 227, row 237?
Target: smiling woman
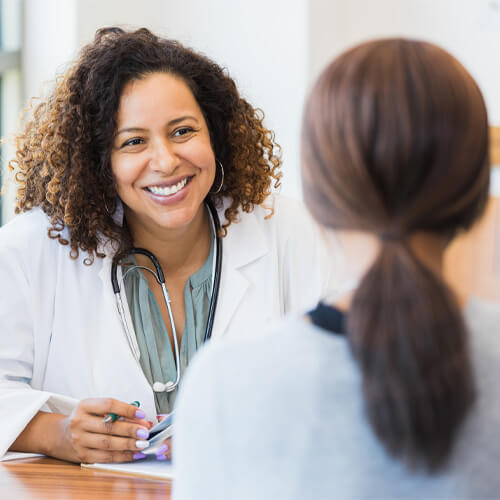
column 142, row 148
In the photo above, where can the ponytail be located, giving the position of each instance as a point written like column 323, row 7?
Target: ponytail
column 408, row 336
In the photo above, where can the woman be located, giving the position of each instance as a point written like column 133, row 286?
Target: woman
column 388, row 391
column 143, row 143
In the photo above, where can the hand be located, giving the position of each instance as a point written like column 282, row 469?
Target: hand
column 84, row 437
column 162, row 453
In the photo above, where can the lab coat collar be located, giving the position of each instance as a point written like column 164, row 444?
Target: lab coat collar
column 244, row 243
column 245, row 240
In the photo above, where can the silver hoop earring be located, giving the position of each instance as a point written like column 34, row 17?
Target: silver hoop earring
column 222, row 179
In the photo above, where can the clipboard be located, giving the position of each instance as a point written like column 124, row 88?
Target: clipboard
column 159, row 433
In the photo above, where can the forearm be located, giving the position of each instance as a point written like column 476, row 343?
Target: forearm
column 41, row 435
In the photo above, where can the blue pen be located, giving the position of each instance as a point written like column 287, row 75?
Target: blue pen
column 111, row 417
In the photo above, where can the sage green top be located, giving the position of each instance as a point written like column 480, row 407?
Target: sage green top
column 157, row 357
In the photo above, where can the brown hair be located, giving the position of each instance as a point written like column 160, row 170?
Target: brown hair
column 395, row 141
column 63, row 156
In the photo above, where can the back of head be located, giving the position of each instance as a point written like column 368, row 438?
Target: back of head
column 395, row 142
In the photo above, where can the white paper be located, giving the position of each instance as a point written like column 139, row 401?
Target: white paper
column 16, row 455
column 150, row 467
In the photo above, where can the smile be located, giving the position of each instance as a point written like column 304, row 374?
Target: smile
column 168, row 190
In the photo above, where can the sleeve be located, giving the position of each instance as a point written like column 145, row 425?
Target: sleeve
column 312, row 262
column 19, row 402
column 197, row 450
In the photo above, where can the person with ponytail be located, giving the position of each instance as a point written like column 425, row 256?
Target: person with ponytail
column 388, row 391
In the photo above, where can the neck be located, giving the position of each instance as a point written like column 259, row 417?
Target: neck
column 361, row 249
column 430, row 250
column 178, row 250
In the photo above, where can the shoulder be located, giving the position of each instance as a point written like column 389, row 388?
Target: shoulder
column 26, row 230
column 283, row 212
column 25, row 239
column 272, row 355
column 483, row 320
column 278, row 214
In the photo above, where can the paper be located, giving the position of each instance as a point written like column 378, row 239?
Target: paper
column 15, row 455
column 149, row 467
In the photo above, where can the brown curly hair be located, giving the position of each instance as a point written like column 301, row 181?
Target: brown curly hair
column 62, row 162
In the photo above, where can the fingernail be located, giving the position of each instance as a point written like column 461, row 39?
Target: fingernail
column 161, row 457
column 138, row 456
column 140, row 414
column 141, row 444
column 162, row 449
column 142, row 433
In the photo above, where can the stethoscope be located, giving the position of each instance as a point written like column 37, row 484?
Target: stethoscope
column 170, row 385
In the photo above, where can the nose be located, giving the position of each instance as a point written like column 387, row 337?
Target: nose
column 163, row 156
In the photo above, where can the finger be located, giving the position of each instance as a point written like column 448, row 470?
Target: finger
column 164, row 456
column 164, row 452
column 107, row 442
column 139, row 421
column 103, row 406
column 124, row 428
column 91, row 456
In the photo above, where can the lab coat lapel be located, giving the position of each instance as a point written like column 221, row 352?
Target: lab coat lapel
column 244, row 243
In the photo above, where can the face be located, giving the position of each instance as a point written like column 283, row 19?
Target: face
column 162, row 158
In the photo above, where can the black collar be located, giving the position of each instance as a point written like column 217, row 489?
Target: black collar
column 329, row 318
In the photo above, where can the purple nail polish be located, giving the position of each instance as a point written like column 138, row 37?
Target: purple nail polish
column 162, row 449
column 142, row 433
column 138, row 456
column 161, row 457
column 140, row 414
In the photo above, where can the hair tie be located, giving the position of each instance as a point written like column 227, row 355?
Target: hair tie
column 391, row 235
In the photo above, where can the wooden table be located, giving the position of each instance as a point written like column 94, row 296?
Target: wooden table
column 47, row 478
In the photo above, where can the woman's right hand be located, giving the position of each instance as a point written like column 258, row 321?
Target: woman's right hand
column 84, row 437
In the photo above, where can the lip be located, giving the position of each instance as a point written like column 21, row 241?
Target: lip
column 170, row 199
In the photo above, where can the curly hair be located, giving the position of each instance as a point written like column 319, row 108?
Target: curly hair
column 62, row 162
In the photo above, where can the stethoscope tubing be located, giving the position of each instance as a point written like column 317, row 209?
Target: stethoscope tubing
column 217, row 273
column 171, row 386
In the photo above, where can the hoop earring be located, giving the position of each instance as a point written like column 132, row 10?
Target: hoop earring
column 222, row 179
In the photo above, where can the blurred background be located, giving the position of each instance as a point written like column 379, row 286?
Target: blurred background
column 274, row 49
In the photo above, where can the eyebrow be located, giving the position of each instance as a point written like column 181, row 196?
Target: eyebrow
column 170, row 123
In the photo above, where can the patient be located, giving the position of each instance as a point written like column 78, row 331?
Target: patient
column 389, row 391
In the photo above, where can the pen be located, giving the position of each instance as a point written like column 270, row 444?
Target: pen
column 111, row 417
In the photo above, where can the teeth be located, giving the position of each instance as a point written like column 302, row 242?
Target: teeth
column 168, row 190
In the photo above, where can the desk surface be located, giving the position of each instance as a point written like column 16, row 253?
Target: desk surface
column 46, row 478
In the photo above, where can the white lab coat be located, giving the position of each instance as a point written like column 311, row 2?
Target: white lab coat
column 61, row 338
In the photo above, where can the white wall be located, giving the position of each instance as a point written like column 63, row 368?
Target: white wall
column 49, row 42
column 469, row 29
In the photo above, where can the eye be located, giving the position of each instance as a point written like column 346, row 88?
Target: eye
column 183, row 131
column 133, row 142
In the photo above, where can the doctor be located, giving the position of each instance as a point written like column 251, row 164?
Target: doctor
column 137, row 140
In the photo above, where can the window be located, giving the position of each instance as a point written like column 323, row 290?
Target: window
column 10, row 94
